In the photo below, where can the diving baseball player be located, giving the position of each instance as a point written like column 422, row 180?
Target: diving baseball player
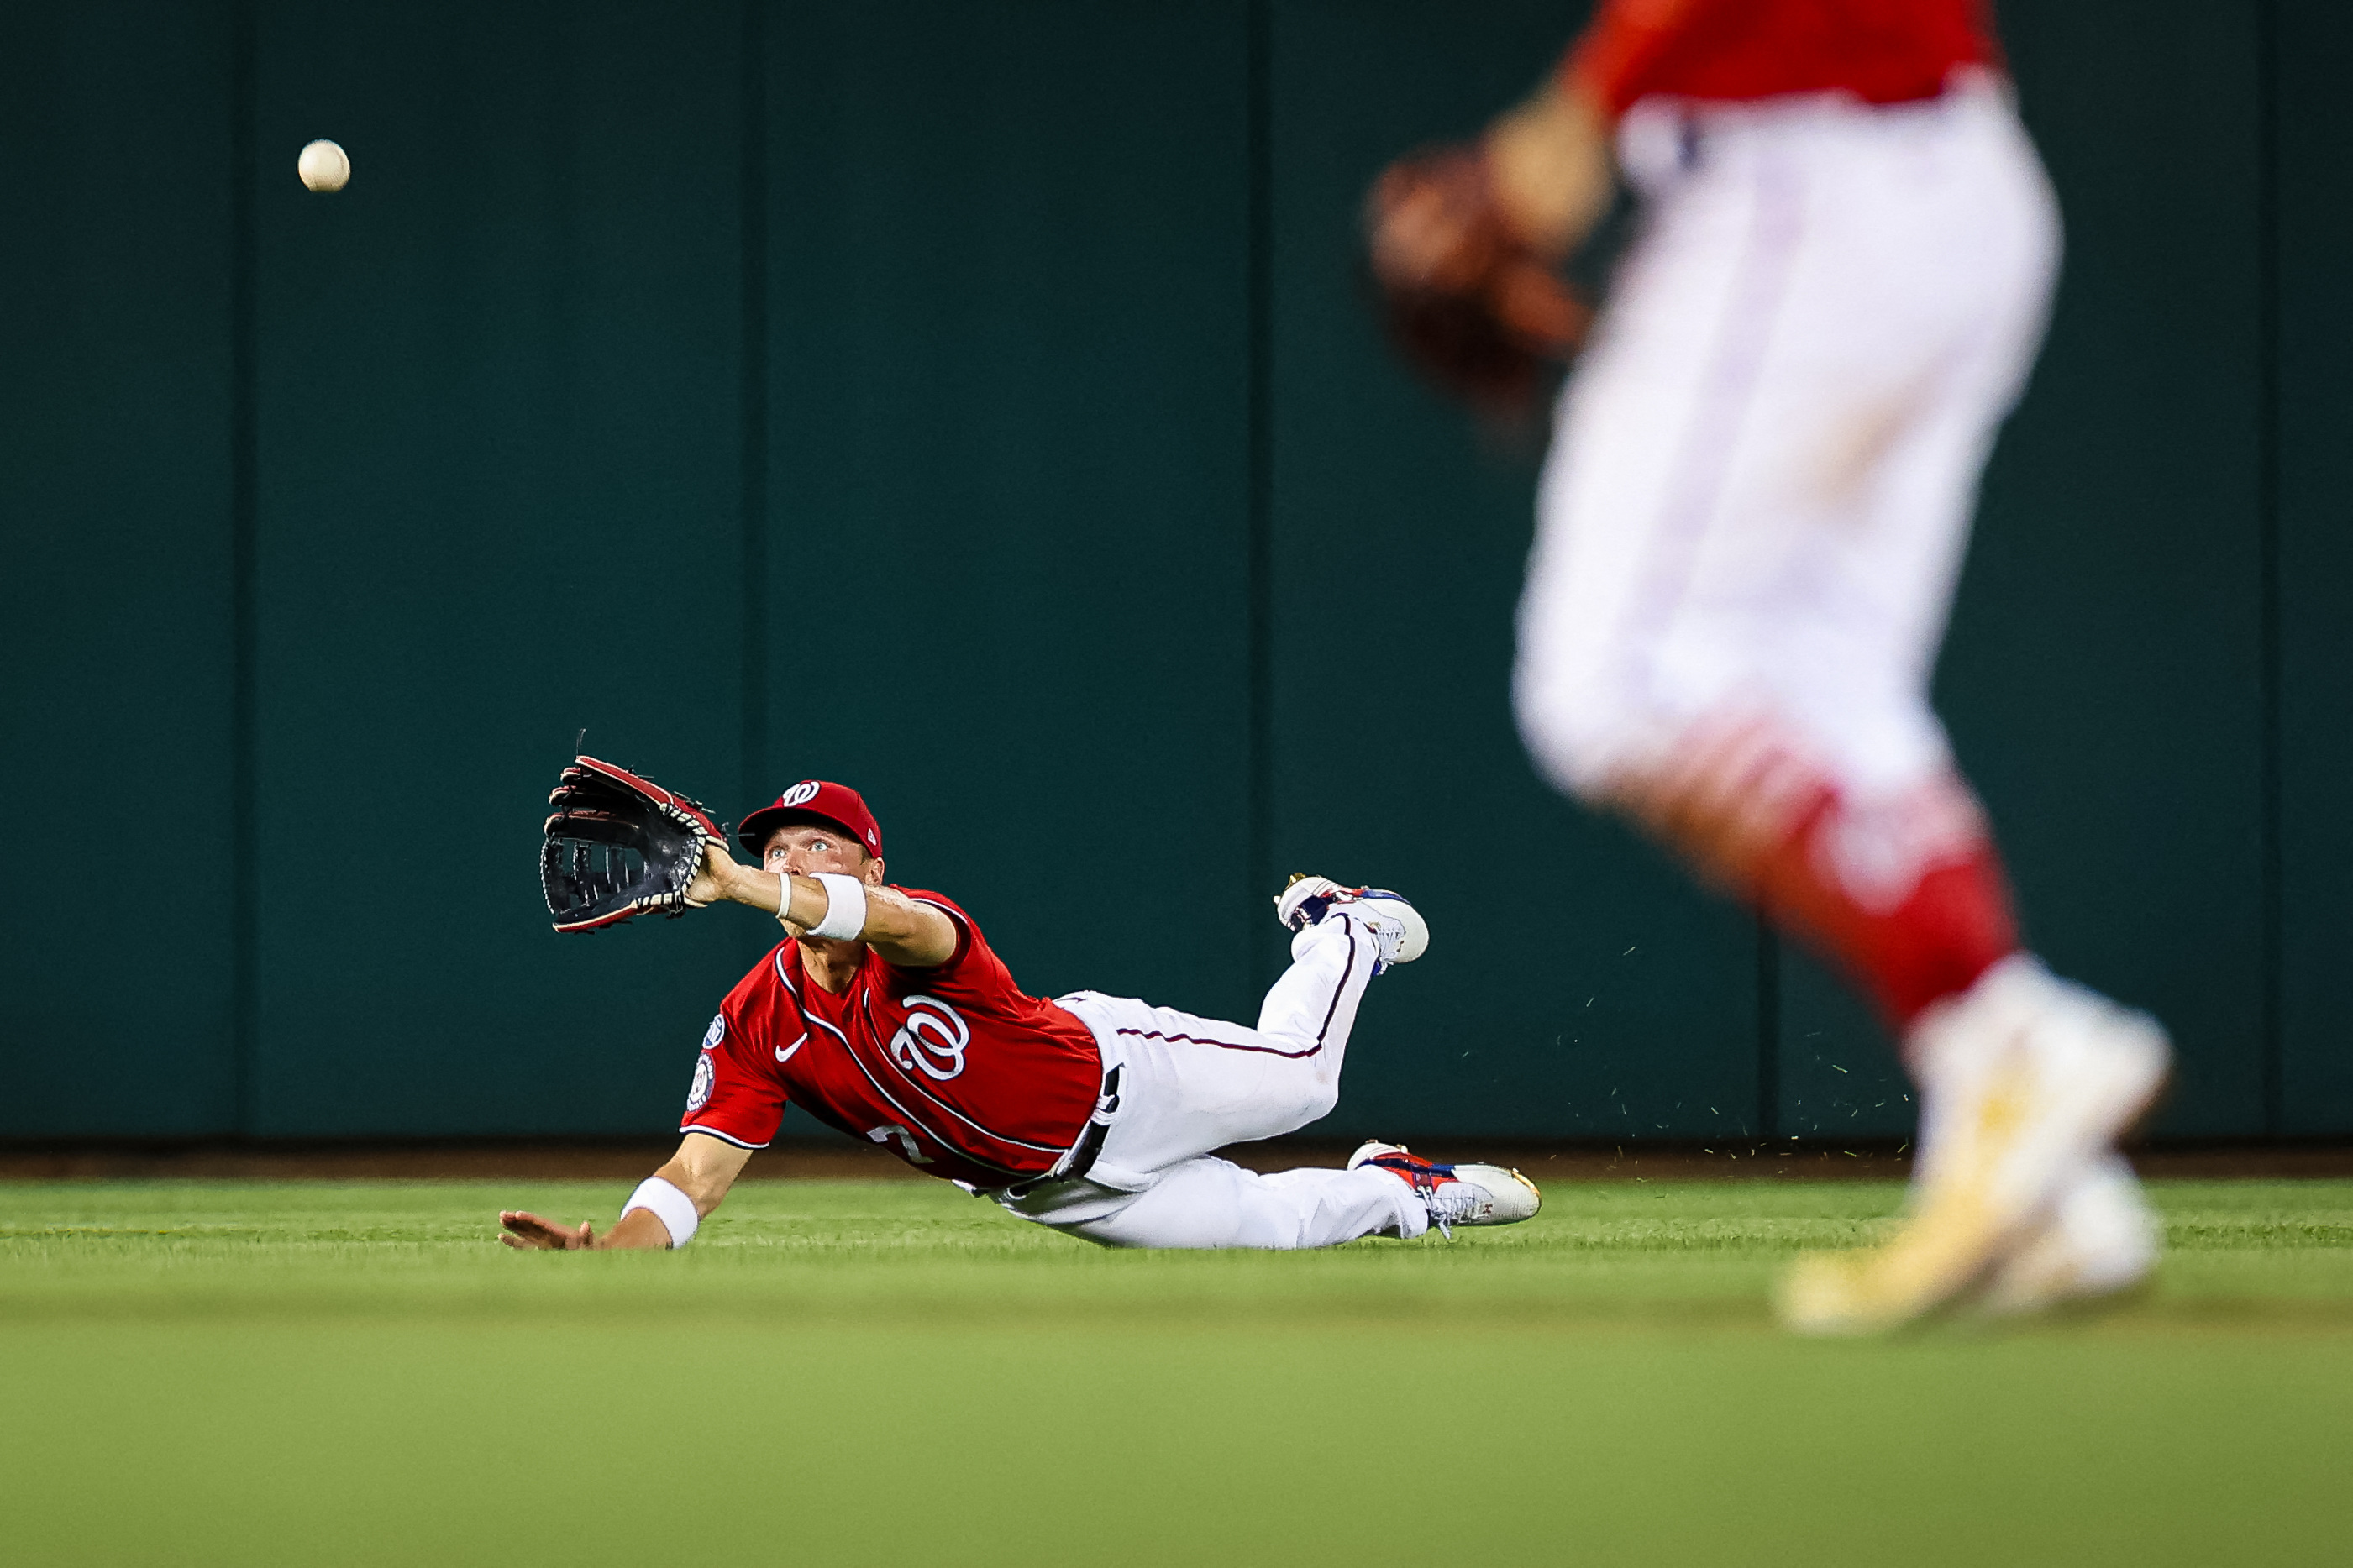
column 1749, row 526
column 885, row 1013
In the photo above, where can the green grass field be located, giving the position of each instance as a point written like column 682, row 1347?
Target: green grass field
column 893, row 1373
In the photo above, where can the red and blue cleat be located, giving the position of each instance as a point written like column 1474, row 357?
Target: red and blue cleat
column 1455, row 1195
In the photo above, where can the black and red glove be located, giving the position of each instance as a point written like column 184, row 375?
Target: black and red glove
column 618, row 847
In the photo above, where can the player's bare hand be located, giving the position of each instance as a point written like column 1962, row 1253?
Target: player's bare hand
column 714, row 877
column 532, row 1233
column 1549, row 163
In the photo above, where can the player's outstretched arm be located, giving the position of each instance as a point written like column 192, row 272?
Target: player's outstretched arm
column 703, row 1169
column 907, row 934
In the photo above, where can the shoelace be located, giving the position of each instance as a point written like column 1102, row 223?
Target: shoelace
column 1388, row 935
column 1456, row 1202
column 1451, row 1203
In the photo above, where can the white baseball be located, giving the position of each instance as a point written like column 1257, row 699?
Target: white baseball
column 323, row 166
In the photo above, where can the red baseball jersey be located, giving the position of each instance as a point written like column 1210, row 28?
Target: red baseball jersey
column 1883, row 51
column 954, row 1069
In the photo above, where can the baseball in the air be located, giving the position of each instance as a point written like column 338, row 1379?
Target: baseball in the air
column 323, row 166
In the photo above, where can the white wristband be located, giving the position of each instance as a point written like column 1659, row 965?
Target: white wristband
column 845, row 908
column 668, row 1204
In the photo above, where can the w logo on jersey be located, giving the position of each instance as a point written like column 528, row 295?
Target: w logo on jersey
column 932, row 1039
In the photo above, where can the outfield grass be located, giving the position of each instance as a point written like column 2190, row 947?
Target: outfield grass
column 893, row 1373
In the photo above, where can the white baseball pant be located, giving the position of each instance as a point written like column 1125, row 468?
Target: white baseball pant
column 1764, row 468
column 1192, row 1084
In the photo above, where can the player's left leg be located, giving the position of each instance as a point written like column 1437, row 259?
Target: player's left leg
column 1211, row 1203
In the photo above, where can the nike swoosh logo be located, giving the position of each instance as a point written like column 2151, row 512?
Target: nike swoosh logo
column 784, row 1053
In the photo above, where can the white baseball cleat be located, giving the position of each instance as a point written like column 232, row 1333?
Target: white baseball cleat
column 2027, row 1080
column 2102, row 1239
column 1397, row 926
column 1455, row 1195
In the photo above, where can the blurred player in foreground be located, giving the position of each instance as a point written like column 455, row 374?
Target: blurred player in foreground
column 885, row 1013
column 1749, row 526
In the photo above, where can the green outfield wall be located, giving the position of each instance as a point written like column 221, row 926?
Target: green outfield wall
column 975, row 403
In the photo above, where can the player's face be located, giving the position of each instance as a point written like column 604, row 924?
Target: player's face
column 807, row 848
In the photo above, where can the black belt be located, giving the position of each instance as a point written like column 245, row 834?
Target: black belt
column 1084, row 1153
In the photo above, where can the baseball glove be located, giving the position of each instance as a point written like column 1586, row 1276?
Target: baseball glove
column 1464, row 297
column 618, row 847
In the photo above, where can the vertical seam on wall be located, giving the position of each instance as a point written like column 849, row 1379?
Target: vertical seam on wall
column 2267, row 511
column 244, row 505
column 754, row 400
column 1769, row 1028
column 1260, row 283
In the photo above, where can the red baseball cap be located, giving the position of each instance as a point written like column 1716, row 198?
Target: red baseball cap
column 814, row 800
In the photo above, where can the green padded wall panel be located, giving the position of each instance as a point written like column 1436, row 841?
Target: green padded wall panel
column 970, row 395
column 500, row 457
column 1575, row 984
column 1834, row 1072
column 115, row 639
column 1007, row 439
column 2315, row 495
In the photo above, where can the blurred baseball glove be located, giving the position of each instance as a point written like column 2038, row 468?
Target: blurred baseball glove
column 618, row 847
column 1465, row 298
